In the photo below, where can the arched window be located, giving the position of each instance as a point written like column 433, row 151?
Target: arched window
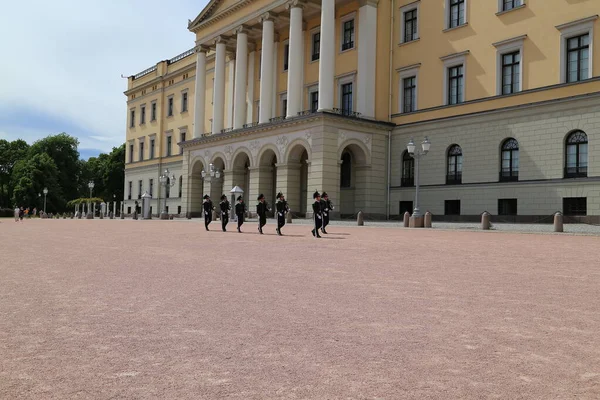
column 346, row 170
column 455, row 158
column 180, row 185
column 509, row 168
column 576, row 155
column 408, row 170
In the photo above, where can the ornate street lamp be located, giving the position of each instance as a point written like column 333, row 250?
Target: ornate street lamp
column 417, row 154
column 212, row 171
column 167, row 181
column 90, row 215
column 45, row 191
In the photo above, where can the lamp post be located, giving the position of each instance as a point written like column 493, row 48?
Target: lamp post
column 45, row 194
column 417, row 154
column 212, row 171
column 90, row 215
column 167, row 181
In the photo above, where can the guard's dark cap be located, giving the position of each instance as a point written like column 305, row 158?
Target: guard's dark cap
column 261, row 196
column 240, row 198
column 316, row 194
column 223, row 197
column 206, row 197
column 324, row 194
column 279, row 195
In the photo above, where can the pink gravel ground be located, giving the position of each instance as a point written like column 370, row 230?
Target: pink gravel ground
column 164, row 310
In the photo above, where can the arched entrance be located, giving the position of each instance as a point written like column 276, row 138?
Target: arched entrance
column 267, row 175
column 196, row 190
column 240, row 172
column 215, row 185
column 353, row 181
column 297, row 179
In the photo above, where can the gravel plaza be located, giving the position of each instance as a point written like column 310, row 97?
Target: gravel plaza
column 123, row 309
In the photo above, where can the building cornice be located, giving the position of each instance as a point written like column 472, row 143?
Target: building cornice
column 510, row 41
column 575, row 23
column 205, row 18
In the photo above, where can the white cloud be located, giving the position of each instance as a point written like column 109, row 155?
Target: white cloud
column 65, row 58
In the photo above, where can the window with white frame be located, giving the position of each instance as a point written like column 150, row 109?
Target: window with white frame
column 456, row 13
column 283, row 103
column 152, row 144
column 509, row 65
column 454, row 78
column 315, row 45
column 576, row 44
column 141, row 154
column 409, row 22
column 142, row 114
column 153, row 111
column 132, row 118
column 408, row 88
column 182, row 134
column 170, row 106
column 169, row 145
column 507, row 5
column 184, row 101
column 347, row 34
column 131, row 152
column 286, row 55
column 313, row 98
column 346, row 88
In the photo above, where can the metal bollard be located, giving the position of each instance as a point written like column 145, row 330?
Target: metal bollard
column 558, row 222
column 485, row 221
column 427, row 220
column 101, row 216
column 360, row 219
column 406, row 219
column 288, row 218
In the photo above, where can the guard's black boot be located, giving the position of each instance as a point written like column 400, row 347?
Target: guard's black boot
column 239, row 230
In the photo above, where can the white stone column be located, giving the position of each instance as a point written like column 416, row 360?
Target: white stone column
column 266, row 68
column 230, row 92
column 219, row 96
column 275, row 98
column 250, row 91
column 327, row 53
column 367, row 53
column 294, row 83
column 241, row 75
column 200, row 92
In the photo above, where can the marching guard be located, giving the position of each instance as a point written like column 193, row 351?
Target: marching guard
column 326, row 207
column 225, row 208
column 317, row 214
column 208, row 209
column 240, row 210
column 282, row 209
column 261, row 209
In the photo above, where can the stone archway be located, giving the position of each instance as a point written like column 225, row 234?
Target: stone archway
column 196, row 189
column 239, row 175
column 293, row 176
column 353, row 180
column 267, row 175
column 213, row 186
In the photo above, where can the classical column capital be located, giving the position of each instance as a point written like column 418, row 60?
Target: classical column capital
column 294, row 4
column 219, row 40
column 266, row 17
column 241, row 30
column 201, row 48
column 372, row 3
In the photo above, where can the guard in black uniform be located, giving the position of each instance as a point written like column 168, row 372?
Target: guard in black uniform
column 225, row 208
column 317, row 214
column 240, row 211
column 282, row 209
column 208, row 209
column 326, row 207
column 261, row 209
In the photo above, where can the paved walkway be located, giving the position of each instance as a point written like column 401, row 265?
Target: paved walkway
column 165, row 310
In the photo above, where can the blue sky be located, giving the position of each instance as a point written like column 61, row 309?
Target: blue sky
column 62, row 62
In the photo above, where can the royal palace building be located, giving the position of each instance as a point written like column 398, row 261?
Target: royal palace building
column 297, row 96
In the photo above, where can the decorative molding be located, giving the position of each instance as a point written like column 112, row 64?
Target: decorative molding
column 576, row 23
column 510, row 41
column 281, row 142
column 228, row 151
column 254, row 147
column 207, row 153
column 455, row 55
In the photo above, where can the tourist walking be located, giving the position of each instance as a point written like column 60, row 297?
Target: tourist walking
column 17, row 213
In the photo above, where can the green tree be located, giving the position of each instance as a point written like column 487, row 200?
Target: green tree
column 114, row 173
column 10, row 153
column 30, row 177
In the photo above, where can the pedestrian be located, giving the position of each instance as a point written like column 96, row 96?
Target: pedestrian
column 326, row 207
column 208, row 209
column 240, row 211
column 17, row 213
column 261, row 209
column 21, row 213
column 317, row 214
column 34, row 212
column 282, row 209
column 225, row 208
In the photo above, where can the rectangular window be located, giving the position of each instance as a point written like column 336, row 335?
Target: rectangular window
column 151, row 187
column 457, row 13
column 510, row 4
column 314, row 101
column 510, row 72
column 406, row 206
column 347, row 99
column 170, row 107
column 142, row 115
column 130, row 191
column 129, row 208
column 410, row 25
column 507, row 206
column 169, row 141
column 184, row 102
column 286, row 56
column 179, row 209
column 141, row 157
column 153, row 112
column 455, row 84
column 316, row 46
column 151, row 149
column 410, row 94
column 131, row 153
column 284, row 107
column 183, row 140
column 132, row 118
column 452, row 207
column 578, row 58
column 348, row 35
column 140, row 186
column 575, row 206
